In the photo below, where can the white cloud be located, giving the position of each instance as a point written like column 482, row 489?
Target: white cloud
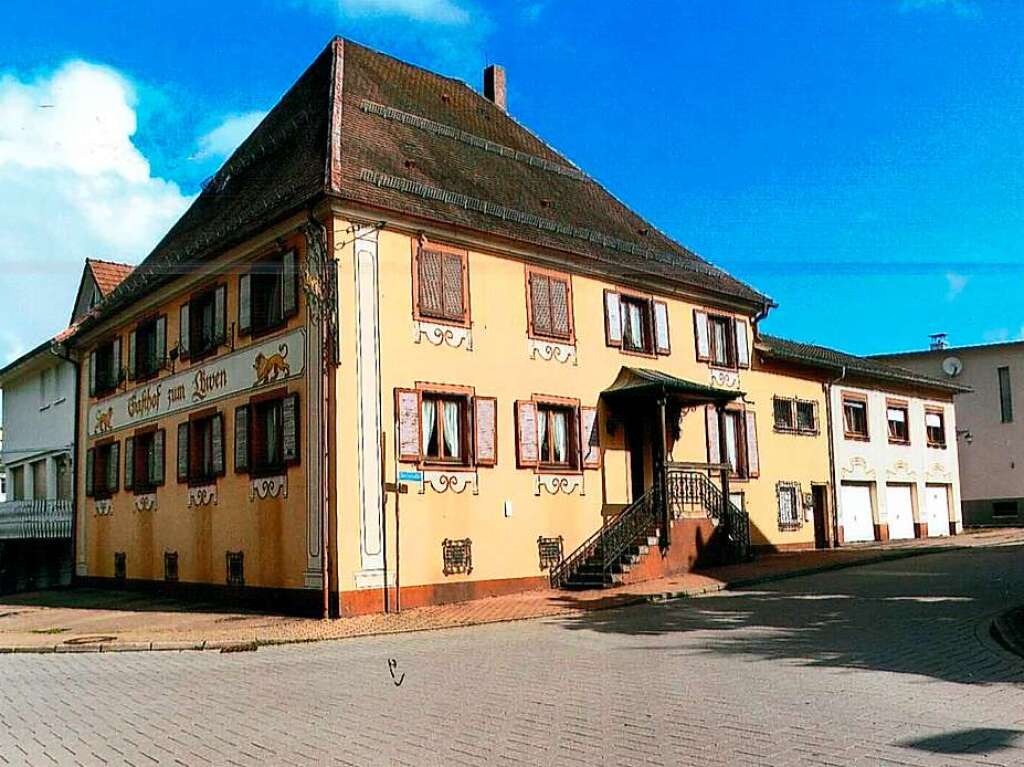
column 432, row 11
column 995, row 335
column 72, row 185
column 226, row 137
column 955, row 284
column 964, row 8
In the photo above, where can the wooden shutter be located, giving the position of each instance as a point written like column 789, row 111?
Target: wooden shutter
column 217, row 440
column 410, row 435
column 90, row 471
column 183, row 429
column 613, row 318
column 540, row 304
column 702, row 336
column 452, row 286
column 742, row 347
column 156, row 458
column 662, row 341
column 183, row 332
column 714, row 443
column 113, row 467
column 485, row 435
column 290, row 429
column 92, row 374
column 289, row 285
column 161, row 340
column 220, row 314
column 245, row 304
column 129, row 463
column 560, row 323
column 527, row 449
column 242, row 415
column 115, row 361
column 753, row 458
column 429, row 279
column 590, row 438
column 131, row 355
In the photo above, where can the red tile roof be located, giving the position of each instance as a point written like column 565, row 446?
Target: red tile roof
column 108, row 274
column 387, row 136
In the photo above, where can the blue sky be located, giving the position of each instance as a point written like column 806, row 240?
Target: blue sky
column 861, row 162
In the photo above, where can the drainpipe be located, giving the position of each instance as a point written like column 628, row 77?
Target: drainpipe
column 827, row 387
column 56, row 350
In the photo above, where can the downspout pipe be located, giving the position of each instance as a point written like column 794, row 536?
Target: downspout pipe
column 56, row 349
column 827, row 386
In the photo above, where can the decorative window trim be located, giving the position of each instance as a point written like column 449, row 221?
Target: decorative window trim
column 552, row 339
column 439, row 333
column 551, row 351
column 263, row 488
column 452, row 480
column 454, row 562
column 103, row 507
column 427, row 319
column 202, row 495
column 145, row 502
column 798, row 513
column 559, row 482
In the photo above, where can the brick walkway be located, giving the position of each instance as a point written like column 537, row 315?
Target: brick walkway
column 90, row 620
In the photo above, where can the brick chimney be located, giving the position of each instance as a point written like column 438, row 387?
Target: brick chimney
column 494, row 86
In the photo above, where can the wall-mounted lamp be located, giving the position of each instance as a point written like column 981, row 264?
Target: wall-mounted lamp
column 966, row 434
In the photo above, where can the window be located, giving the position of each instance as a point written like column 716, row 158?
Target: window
column 201, row 449
column 722, row 341
column 450, row 425
column 549, row 305
column 105, row 368
column 17, row 483
column 203, row 325
column 267, row 434
column 147, row 346
column 268, row 295
column 740, row 441
column 636, row 323
column 855, row 417
column 556, row 436
column 897, row 416
column 102, row 465
column 935, row 426
column 144, row 461
column 441, row 285
column 793, row 415
column 1005, row 396
column 1004, row 508
column 788, row 494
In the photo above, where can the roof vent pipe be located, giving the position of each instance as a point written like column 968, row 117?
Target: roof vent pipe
column 494, row 86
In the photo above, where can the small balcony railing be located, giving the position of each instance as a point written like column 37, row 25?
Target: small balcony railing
column 35, row 519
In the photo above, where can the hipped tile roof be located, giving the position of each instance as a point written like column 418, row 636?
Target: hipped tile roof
column 381, row 134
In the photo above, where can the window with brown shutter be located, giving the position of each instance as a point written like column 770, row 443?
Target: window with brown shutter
column 742, row 453
column 446, row 425
column 103, row 477
column 549, row 305
column 440, row 284
column 268, row 294
column 552, row 434
column 145, row 454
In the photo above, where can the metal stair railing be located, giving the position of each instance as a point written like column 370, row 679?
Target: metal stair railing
column 695, row 487
column 612, row 540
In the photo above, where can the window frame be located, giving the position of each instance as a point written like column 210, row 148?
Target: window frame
column 646, row 304
column 196, row 300
column 895, row 404
column 439, row 396
column 260, row 266
column 859, row 399
column 1005, row 394
column 794, row 404
column 742, row 470
column 548, row 405
column 139, row 487
column 797, row 522
column 110, row 386
column 150, row 325
column 104, row 448
column 941, row 413
column 195, row 421
column 531, row 330
column 418, row 246
column 732, row 356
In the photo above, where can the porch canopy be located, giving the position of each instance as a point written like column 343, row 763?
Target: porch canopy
column 642, row 384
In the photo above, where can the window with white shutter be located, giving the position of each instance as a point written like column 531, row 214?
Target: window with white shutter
column 446, row 425
column 485, row 424
column 527, row 441
column 242, row 439
column 590, row 438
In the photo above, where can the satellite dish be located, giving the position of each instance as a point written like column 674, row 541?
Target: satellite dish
column 952, row 366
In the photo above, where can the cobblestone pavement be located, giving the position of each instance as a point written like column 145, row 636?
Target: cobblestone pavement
column 882, row 664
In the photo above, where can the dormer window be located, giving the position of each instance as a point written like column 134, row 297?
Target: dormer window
column 268, row 295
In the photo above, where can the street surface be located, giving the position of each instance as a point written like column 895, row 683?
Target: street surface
column 882, row 664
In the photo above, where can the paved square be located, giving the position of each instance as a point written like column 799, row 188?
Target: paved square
column 883, row 664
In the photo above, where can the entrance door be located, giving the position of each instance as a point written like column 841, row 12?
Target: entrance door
column 636, row 435
column 820, row 495
column 855, row 513
column 899, row 506
column 937, row 509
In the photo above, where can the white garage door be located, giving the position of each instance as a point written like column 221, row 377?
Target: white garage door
column 855, row 513
column 937, row 509
column 900, row 509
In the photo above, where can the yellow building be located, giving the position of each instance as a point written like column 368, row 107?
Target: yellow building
column 400, row 346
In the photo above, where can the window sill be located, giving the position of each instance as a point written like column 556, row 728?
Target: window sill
column 900, row 442
column 796, row 432
column 857, row 437
column 937, row 446
column 463, row 322
column 554, row 468
column 446, row 466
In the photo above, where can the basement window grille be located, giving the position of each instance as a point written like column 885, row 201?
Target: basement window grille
column 171, row 566
column 457, row 556
column 235, row 568
column 120, row 565
column 549, row 551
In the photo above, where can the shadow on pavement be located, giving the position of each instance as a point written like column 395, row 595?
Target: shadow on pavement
column 103, row 599
column 915, row 616
column 976, row 740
